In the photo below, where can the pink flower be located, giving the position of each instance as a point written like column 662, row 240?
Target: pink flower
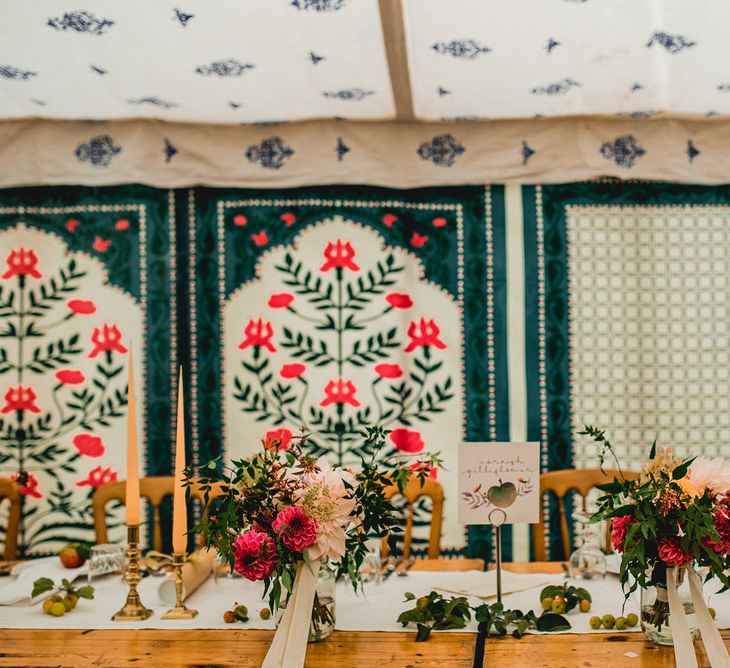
column 22, row 262
column 70, row 376
column 101, row 245
column 97, row 477
column 619, row 528
column 722, row 526
column 339, row 255
column 89, row 445
column 258, row 334
column 81, row 306
column 240, row 220
column 340, row 392
column 294, row 370
column 423, row 334
column 439, row 222
column 30, row 488
column 72, row 224
column 298, row 531
column 255, row 557
column 20, row 398
column 389, row 219
column 388, row 370
column 106, row 339
column 671, row 553
column 278, row 438
column 406, row 440
column 289, row 218
column 398, row 300
column 280, row 300
column 122, row 225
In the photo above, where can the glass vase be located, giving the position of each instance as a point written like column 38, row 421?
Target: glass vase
column 655, row 606
column 323, row 608
column 587, row 562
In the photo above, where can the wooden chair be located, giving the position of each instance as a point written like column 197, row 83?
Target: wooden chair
column 412, row 492
column 560, row 484
column 154, row 489
column 9, row 490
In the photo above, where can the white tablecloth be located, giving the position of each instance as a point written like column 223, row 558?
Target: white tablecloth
column 375, row 610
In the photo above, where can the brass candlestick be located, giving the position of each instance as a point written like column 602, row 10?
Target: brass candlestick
column 133, row 610
column 180, row 611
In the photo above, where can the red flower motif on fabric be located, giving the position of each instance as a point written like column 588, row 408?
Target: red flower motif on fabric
column 406, row 440
column 426, row 468
column 260, row 239
column 98, row 476
column 424, row 333
column 72, row 224
column 298, row 531
column 20, row 398
column 240, row 220
column 89, row 445
column 100, row 245
column 280, row 300
column 81, row 306
column 293, row 370
column 388, row 370
column 289, row 218
column 418, row 240
column 672, row 554
column 439, row 222
column 278, row 438
column 122, row 225
column 339, row 255
column 22, row 262
column 30, row 488
column 255, row 555
column 70, row 376
column 389, row 219
column 258, row 334
column 399, row 300
column 108, row 338
column 340, row 392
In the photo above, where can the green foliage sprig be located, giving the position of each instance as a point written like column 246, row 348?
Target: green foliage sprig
column 434, row 612
column 42, row 585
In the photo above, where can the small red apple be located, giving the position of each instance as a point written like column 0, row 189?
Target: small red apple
column 73, row 555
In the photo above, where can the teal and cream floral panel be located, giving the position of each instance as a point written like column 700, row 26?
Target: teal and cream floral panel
column 627, row 312
column 336, row 309
column 85, row 275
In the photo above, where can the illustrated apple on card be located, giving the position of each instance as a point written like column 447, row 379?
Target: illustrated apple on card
column 499, row 483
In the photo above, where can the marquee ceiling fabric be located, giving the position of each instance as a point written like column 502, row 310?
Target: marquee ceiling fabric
column 249, row 61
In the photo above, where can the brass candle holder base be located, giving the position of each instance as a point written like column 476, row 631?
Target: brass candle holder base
column 180, row 611
column 133, row 610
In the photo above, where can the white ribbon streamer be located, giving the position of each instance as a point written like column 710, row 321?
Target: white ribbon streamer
column 289, row 646
column 684, row 651
column 717, row 653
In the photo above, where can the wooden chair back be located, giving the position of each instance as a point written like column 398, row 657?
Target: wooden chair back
column 412, row 492
column 154, row 489
column 10, row 490
column 560, row 484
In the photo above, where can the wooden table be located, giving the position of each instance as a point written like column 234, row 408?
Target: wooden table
column 344, row 649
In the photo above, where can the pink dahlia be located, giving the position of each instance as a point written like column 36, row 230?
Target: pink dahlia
column 722, row 526
column 298, row 531
column 672, row 554
column 619, row 529
column 255, row 555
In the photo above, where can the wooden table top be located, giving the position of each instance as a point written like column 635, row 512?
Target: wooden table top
column 344, row 649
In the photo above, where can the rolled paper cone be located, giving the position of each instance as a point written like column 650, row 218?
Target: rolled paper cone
column 194, row 573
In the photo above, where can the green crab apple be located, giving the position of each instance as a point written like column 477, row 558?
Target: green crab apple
column 502, row 496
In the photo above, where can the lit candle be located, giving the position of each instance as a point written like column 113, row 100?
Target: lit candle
column 179, row 508
column 132, row 456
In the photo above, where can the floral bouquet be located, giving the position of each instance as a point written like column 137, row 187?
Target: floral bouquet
column 667, row 521
column 284, row 515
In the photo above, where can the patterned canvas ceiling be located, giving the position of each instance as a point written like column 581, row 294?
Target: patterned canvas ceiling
column 256, row 61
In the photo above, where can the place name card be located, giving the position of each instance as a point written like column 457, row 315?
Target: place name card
column 499, row 483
